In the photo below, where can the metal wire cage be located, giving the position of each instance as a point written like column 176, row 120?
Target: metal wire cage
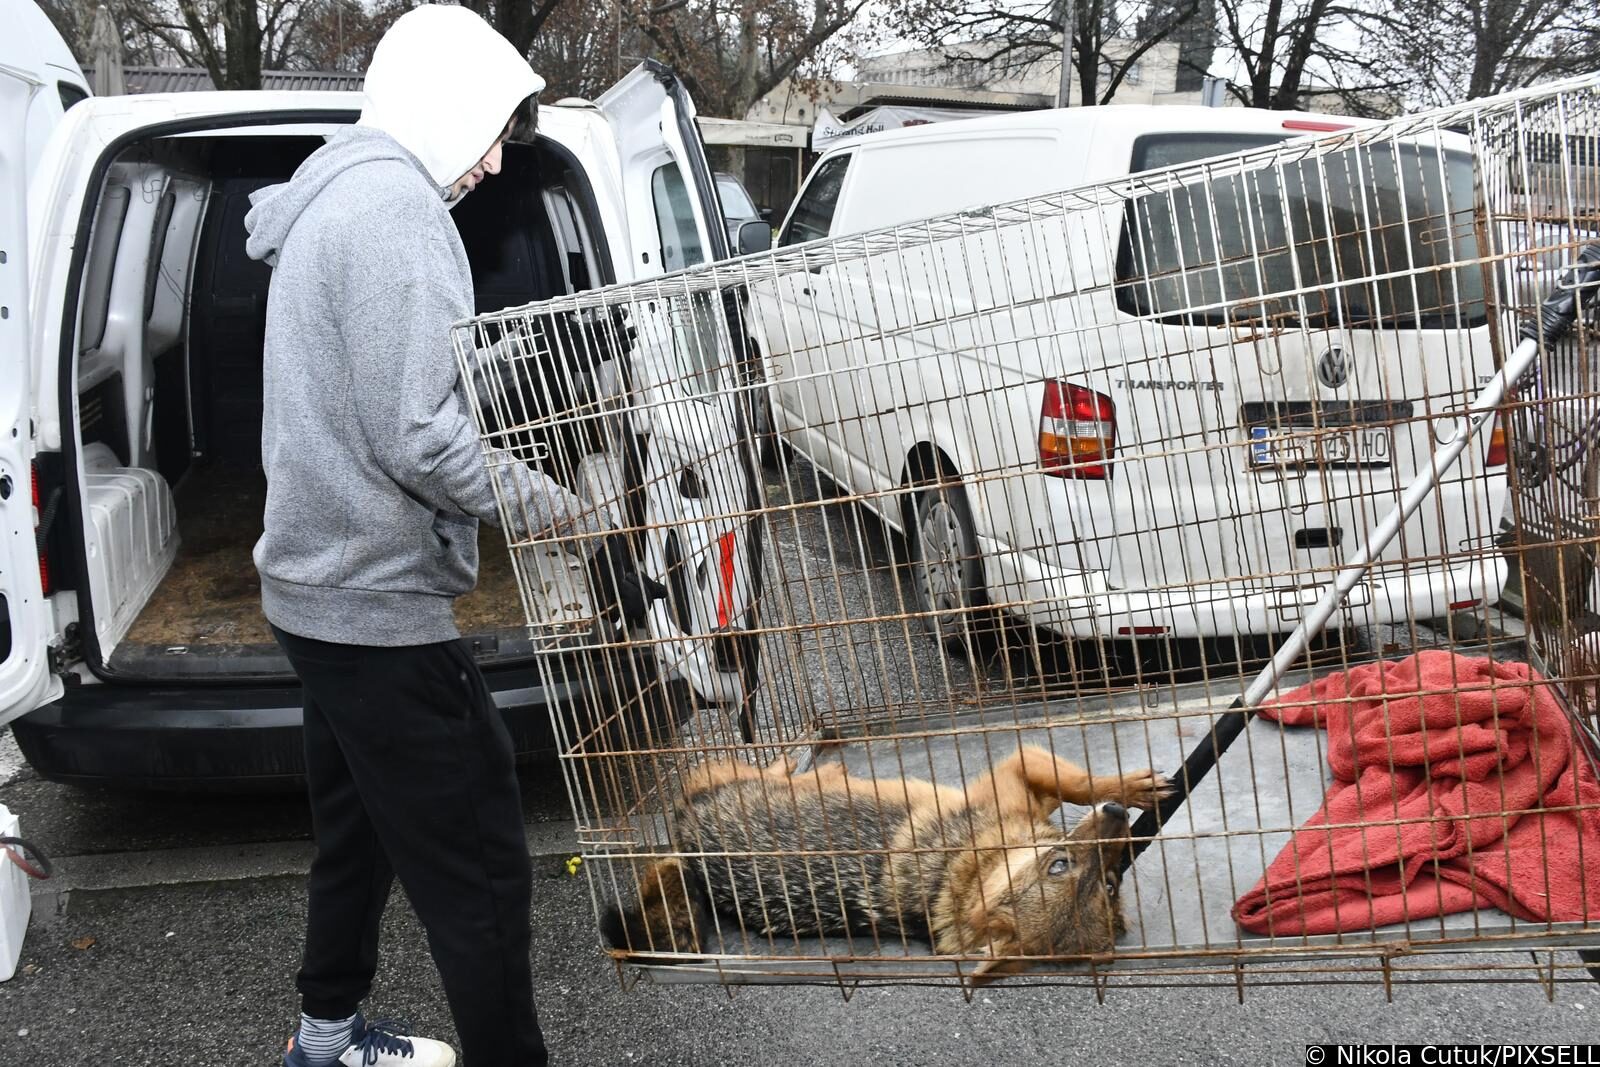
column 1272, row 471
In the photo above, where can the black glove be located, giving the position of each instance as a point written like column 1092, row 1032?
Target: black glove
column 587, row 339
column 618, row 584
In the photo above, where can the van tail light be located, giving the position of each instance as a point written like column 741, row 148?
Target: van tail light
column 44, row 561
column 1077, row 431
column 1498, row 452
column 725, row 548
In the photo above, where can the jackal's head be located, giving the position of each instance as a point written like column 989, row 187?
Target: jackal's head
column 1057, row 897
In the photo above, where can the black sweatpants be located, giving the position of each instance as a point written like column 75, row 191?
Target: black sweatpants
column 410, row 774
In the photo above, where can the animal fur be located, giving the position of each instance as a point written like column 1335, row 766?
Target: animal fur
column 981, row 871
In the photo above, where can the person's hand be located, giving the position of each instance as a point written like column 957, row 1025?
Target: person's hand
column 618, row 583
column 588, row 338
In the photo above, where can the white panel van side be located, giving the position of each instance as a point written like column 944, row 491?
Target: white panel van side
column 938, row 366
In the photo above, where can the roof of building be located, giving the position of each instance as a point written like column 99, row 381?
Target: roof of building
column 197, row 79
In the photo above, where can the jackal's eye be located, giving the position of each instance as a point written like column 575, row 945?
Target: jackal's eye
column 1059, row 865
column 1111, row 887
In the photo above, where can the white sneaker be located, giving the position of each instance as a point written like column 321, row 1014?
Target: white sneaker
column 385, row 1043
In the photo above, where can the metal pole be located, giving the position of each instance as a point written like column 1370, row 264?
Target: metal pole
column 1069, row 16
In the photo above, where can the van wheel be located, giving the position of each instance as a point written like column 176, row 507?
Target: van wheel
column 946, row 572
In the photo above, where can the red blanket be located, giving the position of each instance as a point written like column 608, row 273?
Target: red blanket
column 1440, row 765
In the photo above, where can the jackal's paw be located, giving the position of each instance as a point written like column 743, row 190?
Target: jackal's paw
column 1141, row 789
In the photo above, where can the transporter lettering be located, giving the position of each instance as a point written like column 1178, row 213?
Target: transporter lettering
column 1130, row 383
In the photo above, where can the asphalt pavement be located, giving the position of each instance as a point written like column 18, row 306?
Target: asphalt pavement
column 202, row 974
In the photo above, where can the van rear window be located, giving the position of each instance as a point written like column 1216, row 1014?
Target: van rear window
column 70, row 94
column 1293, row 242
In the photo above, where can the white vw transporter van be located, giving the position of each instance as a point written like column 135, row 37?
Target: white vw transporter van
column 131, row 321
column 1141, row 410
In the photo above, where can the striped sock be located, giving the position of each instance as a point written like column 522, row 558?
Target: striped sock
column 323, row 1041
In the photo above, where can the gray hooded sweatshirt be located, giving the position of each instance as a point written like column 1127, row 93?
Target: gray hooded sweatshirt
column 375, row 477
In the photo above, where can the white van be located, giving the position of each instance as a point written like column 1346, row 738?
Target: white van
column 941, row 383
column 131, row 331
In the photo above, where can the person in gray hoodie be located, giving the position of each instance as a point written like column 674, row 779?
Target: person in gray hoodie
column 375, row 485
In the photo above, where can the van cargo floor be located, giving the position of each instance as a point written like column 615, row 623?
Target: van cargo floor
column 208, row 607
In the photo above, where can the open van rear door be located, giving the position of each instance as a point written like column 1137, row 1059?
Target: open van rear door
column 690, row 472
column 25, row 678
column 652, row 119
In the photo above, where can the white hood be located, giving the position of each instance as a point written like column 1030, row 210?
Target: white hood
column 443, row 83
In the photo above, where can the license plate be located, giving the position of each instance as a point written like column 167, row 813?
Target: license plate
column 1328, row 446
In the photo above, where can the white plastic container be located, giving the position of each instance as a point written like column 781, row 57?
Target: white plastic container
column 15, row 903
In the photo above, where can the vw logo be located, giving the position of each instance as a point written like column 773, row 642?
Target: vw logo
column 1333, row 369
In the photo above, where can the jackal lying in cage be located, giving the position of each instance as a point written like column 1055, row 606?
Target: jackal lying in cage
column 977, row 871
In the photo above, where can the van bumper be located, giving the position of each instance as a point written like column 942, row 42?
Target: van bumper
column 235, row 739
column 1081, row 604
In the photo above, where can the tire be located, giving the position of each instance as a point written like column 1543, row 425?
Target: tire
column 774, row 454
column 946, row 573
column 1084, row 664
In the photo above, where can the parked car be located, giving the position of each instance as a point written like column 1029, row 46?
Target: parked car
column 981, row 403
column 131, row 641
column 739, row 211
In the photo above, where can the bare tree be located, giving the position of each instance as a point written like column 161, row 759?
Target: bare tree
column 576, row 51
column 518, row 21
column 731, row 55
column 1450, row 50
column 341, row 34
column 1000, row 41
column 73, row 19
column 1194, row 31
column 1289, row 51
column 234, row 40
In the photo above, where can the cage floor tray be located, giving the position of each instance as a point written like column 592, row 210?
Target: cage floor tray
column 1179, row 896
